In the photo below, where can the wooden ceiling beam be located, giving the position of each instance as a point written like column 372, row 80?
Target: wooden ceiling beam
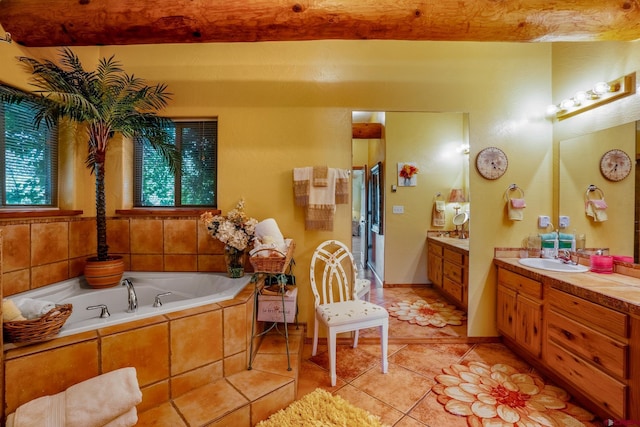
column 44, row 23
column 366, row 131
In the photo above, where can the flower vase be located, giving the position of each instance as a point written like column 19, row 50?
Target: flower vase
column 235, row 260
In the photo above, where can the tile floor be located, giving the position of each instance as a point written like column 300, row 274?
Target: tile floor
column 407, row 396
column 404, row 396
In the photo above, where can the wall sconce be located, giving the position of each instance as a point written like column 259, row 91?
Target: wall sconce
column 463, row 149
column 456, row 196
column 601, row 93
column 6, row 38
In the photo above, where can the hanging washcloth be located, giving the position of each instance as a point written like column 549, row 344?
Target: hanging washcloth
column 597, row 209
column 320, row 176
column 438, row 218
column 515, row 206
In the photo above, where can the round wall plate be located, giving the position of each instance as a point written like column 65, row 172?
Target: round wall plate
column 491, row 162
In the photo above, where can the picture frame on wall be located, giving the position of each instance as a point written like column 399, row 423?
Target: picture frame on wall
column 407, row 174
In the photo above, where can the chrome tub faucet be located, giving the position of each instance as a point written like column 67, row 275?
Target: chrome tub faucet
column 133, row 298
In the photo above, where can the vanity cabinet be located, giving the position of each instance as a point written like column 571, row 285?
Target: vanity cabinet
column 434, row 263
column 520, row 308
column 578, row 331
column 588, row 345
column 448, row 268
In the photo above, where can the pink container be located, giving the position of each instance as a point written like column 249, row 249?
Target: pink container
column 621, row 258
column 602, row 264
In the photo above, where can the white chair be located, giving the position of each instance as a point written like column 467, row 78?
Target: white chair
column 337, row 306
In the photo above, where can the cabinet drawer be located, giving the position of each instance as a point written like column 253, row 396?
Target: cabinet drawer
column 454, row 257
column 452, row 288
column 453, row 271
column 519, row 283
column 604, row 352
column 602, row 317
column 435, row 249
column 605, row 391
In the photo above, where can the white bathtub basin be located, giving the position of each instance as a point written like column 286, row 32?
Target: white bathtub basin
column 552, row 265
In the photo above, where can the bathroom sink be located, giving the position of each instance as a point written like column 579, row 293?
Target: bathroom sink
column 552, row 265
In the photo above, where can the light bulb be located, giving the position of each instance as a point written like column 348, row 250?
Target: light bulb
column 601, row 88
column 580, row 97
column 552, row 110
column 567, row 103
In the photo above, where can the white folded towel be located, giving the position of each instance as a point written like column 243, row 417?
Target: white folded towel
column 269, row 228
column 105, row 400
column 33, row 308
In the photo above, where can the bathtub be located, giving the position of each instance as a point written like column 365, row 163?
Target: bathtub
column 188, row 290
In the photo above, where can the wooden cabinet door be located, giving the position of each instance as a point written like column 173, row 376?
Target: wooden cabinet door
column 529, row 324
column 506, row 322
column 434, row 264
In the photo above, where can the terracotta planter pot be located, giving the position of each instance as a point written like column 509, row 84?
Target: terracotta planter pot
column 104, row 274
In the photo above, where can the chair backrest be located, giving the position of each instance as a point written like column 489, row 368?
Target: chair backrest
column 332, row 273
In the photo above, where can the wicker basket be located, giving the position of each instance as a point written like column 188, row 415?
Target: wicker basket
column 40, row 329
column 272, row 264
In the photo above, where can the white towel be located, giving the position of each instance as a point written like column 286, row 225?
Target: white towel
column 269, row 228
column 33, row 308
column 105, row 400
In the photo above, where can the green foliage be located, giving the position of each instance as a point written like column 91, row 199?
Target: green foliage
column 108, row 100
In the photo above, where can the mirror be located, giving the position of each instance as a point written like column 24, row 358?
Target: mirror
column 376, row 199
column 400, row 215
column 579, row 167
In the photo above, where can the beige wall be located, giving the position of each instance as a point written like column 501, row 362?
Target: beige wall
column 285, row 105
column 430, row 140
column 577, row 66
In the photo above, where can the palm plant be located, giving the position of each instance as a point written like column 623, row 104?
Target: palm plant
column 107, row 101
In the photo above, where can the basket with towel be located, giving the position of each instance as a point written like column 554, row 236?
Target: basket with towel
column 28, row 320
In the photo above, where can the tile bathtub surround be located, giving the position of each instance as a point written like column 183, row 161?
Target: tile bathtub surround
column 40, row 252
column 173, row 354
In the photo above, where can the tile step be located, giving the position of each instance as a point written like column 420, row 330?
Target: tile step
column 241, row 399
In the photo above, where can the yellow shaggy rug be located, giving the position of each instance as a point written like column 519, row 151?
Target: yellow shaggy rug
column 321, row 409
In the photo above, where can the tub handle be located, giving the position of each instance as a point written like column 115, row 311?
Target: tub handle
column 157, row 302
column 104, row 313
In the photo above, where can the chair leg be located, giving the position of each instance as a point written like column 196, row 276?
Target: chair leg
column 384, row 338
column 331, row 343
column 355, row 338
column 314, row 350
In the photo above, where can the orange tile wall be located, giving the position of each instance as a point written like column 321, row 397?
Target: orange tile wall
column 40, row 252
column 173, row 354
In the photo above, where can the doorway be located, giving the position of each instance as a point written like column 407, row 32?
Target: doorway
column 359, row 216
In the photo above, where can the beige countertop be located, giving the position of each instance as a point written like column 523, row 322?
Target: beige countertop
column 452, row 241
column 614, row 290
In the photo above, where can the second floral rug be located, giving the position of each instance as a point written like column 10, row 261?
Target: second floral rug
column 427, row 312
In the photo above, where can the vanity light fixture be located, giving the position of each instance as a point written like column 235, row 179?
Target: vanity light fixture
column 601, row 93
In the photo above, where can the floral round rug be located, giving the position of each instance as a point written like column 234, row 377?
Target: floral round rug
column 429, row 312
column 499, row 395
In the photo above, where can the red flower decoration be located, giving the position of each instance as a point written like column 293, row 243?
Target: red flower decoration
column 408, row 171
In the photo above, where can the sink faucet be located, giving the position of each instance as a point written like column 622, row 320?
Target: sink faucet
column 133, row 298
column 565, row 256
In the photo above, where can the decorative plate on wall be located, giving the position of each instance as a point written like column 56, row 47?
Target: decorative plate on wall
column 491, row 162
column 615, row 165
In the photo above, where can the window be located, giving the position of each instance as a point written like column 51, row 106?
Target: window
column 28, row 159
column 195, row 184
